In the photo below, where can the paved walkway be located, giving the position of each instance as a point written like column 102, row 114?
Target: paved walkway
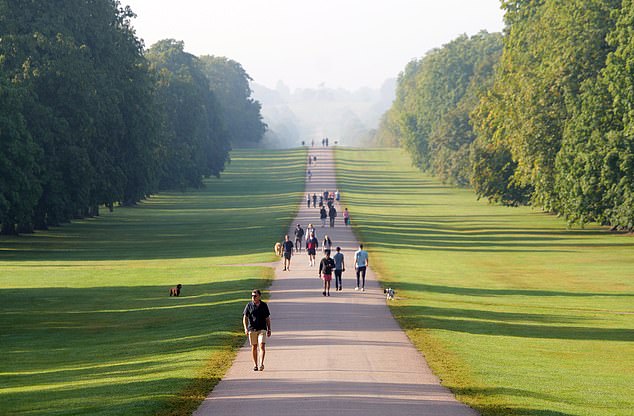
column 338, row 355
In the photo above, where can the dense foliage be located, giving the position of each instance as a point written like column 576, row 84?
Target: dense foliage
column 241, row 114
column 539, row 116
column 89, row 119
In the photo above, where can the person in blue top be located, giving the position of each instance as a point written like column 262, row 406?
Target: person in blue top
column 360, row 265
column 256, row 320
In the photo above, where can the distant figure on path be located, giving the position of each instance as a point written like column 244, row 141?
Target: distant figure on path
column 323, row 215
column 256, row 320
column 326, row 266
column 314, row 201
column 327, row 245
column 299, row 238
column 310, row 160
column 337, row 195
column 310, row 230
column 340, row 267
column 346, row 217
column 311, row 248
column 360, row 265
column 287, row 249
column 309, row 174
column 332, row 214
column 307, row 200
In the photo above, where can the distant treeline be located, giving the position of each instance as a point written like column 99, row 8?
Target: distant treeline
column 542, row 114
column 88, row 118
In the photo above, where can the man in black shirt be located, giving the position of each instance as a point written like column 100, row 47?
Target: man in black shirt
column 287, row 250
column 256, row 320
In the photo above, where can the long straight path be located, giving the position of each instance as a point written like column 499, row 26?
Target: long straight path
column 338, row 355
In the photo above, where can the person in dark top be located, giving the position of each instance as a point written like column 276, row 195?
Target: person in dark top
column 256, row 320
column 326, row 266
column 314, row 201
column 323, row 215
column 299, row 238
column 332, row 214
column 287, row 252
column 311, row 248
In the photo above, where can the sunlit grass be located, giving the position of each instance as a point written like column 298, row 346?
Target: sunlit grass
column 86, row 324
column 516, row 313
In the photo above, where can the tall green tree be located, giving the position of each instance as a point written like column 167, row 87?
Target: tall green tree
column 596, row 162
column 195, row 144
column 88, row 103
column 19, row 187
column 551, row 47
column 435, row 96
column 240, row 113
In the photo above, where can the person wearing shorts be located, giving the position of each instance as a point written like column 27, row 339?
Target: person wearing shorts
column 326, row 266
column 256, row 320
column 360, row 265
column 311, row 248
column 287, row 252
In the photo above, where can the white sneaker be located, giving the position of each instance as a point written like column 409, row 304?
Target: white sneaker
column 363, row 289
column 356, row 288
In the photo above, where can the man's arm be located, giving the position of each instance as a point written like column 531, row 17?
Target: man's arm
column 245, row 323
column 268, row 326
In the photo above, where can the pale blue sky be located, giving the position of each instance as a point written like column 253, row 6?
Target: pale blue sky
column 340, row 43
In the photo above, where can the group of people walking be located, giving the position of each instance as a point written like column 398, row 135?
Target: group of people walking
column 328, row 265
column 256, row 315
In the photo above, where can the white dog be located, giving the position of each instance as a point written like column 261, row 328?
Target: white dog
column 389, row 293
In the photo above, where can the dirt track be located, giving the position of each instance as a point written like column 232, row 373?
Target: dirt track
column 337, row 355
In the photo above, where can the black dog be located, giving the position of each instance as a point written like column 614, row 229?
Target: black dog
column 176, row 291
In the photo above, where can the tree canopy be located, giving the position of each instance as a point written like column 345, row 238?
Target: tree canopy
column 88, row 118
column 539, row 115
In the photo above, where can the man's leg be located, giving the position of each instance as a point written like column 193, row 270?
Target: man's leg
column 363, row 277
column 358, row 271
column 262, row 354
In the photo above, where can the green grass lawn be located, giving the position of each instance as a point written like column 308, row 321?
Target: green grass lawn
column 516, row 313
column 86, row 323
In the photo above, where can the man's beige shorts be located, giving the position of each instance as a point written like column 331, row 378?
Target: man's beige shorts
column 257, row 337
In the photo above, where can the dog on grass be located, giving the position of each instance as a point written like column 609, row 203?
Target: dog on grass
column 389, row 293
column 176, row 291
column 278, row 249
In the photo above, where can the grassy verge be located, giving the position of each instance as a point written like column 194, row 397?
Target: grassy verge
column 86, row 323
column 516, row 313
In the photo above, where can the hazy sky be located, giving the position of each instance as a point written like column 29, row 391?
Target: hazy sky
column 340, row 43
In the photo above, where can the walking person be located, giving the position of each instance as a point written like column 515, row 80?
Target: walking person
column 309, row 174
column 360, row 265
column 311, row 248
column 287, row 252
column 314, row 201
column 340, row 267
column 326, row 266
column 346, row 217
column 310, row 230
column 256, row 320
column 307, row 200
column 337, row 195
column 332, row 214
column 327, row 245
column 323, row 215
column 299, row 238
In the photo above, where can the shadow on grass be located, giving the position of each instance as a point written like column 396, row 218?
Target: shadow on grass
column 76, row 346
column 470, row 291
